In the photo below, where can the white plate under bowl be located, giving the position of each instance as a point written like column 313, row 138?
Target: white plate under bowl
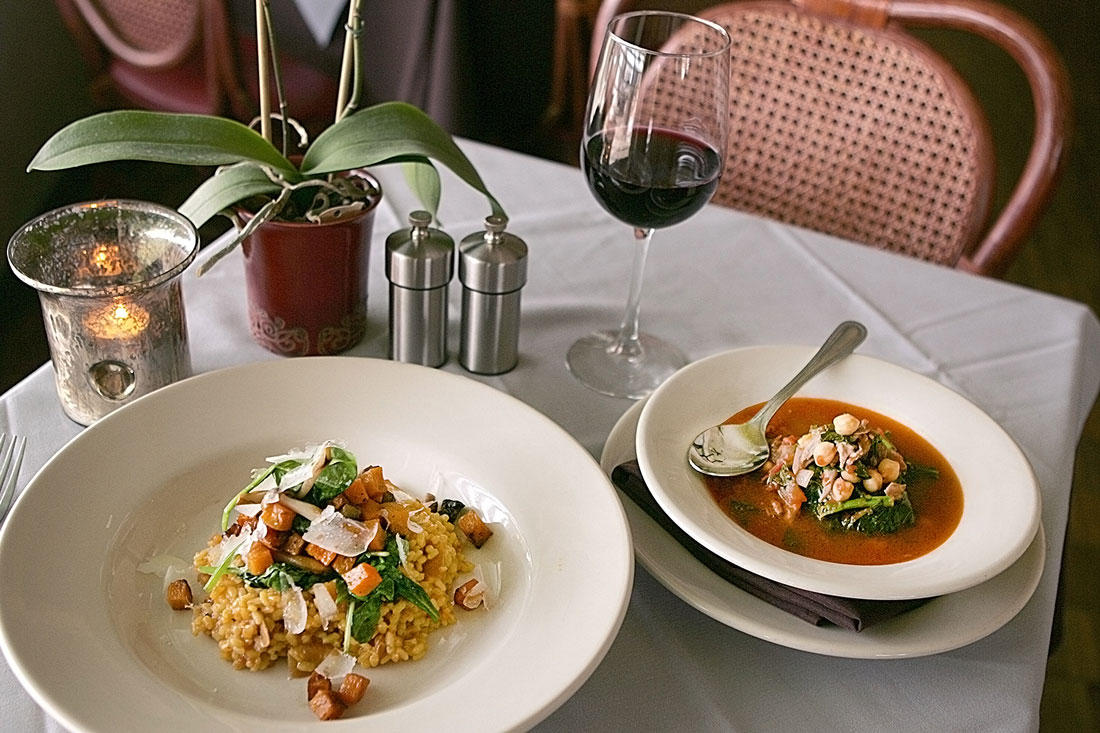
column 1000, row 493
column 942, row 624
column 96, row 645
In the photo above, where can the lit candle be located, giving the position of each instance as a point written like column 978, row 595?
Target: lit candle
column 119, row 320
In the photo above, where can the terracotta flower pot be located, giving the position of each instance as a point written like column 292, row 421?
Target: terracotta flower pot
column 307, row 283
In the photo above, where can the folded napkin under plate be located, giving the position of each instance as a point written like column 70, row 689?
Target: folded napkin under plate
column 815, row 608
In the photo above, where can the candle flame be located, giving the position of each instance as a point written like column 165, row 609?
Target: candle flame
column 119, row 320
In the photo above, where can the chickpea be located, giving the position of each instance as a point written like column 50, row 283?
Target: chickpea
column 824, row 453
column 841, row 490
column 845, row 424
column 873, row 483
column 890, row 469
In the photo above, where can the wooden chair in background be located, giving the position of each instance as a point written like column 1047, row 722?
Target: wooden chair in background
column 844, row 122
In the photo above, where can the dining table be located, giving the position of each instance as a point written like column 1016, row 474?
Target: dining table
column 722, row 280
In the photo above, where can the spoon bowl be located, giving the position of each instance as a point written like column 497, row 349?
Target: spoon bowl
column 735, row 449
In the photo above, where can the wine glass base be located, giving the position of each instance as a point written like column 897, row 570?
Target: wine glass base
column 599, row 363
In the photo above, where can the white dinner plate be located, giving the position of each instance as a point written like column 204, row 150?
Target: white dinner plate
column 96, row 645
column 1000, row 493
column 940, row 625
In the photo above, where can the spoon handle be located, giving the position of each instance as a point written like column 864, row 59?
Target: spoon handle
column 841, row 342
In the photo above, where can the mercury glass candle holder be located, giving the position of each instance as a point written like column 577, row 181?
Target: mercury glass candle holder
column 107, row 276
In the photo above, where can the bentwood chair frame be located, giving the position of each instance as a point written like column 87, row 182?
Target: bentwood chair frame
column 844, row 122
column 168, row 55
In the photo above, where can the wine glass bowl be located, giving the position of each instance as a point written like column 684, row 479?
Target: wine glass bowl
column 652, row 151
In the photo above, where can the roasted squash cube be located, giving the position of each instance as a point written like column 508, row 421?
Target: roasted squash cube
column 278, row 516
column 362, row 579
column 475, row 530
column 325, row 557
column 352, row 689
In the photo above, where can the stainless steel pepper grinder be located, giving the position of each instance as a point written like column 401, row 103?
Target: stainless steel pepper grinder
column 492, row 266
column 419, row 265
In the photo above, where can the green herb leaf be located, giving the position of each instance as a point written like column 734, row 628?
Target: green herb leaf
column 184, row 139
column 222, row 568
column 413, row 592
column 338, row 473
column 390, row 132
column 825, row 508
column 228, row 511
column 280, row 576
column 367, row 615
column 914, row 472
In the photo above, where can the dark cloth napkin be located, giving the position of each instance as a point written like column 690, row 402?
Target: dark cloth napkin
column 816, row 608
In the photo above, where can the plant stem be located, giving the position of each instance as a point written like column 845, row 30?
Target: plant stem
column 351, row 31
column 280, row 93
column 262, row 66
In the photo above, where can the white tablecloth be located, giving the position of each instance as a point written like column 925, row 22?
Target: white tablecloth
column 721, row 280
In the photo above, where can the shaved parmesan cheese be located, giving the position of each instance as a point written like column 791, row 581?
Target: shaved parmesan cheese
column 489, row 585
column 239, row 545
column 313, row 461
column 325, row 603
column 300, row 454
column 473, row 596
column 169, row 567
column 336, row 664
column 401, row 495
column 294, row 610
column 402, row 550
column 249, row 510
column 268, row 484
column 334, row 532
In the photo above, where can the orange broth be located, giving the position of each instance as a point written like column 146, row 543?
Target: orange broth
column 937, row 503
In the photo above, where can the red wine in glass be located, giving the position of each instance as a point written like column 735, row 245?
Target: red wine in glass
column 660, row 179
column 652, row 151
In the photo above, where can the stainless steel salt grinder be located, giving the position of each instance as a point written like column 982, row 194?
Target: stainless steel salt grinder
column 419, row 265
column 492, row 266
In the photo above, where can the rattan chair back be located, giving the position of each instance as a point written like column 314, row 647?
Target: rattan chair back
column 843, row 122
column 148, row 34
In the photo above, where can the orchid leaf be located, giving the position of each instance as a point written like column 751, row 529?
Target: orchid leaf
column 386, row 133
column 224, row 189
column 423, row 180
column 161, row 137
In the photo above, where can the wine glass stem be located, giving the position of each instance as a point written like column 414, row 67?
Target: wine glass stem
column 628, row 344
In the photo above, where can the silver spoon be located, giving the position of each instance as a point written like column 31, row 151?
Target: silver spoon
column 731, row 450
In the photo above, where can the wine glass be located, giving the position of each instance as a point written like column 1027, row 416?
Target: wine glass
column 652, row 150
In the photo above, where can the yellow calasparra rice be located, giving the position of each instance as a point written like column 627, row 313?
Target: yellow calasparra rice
column 250, row 623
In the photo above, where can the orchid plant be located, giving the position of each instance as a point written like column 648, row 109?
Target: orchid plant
column 249, row 165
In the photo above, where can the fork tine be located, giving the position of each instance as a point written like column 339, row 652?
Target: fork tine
column 11, row 459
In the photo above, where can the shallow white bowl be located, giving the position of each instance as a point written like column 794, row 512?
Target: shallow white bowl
column 96, row 645
column 1000, row 493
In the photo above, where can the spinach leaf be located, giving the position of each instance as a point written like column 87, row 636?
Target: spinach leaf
column 413, row 592
column 367, row 614
column 281, row 575
column 885, row 519
column 338, row 473
column 915, row 472
column 368, row 609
